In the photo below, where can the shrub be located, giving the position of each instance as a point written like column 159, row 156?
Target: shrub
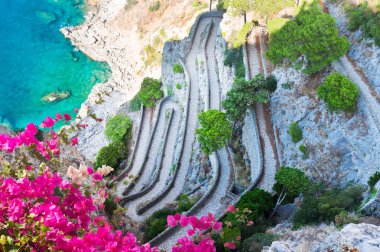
column 178, row 86
column 150, row 91
column 197, row 3
column 111, row 155
column 302, row 148
column 130, row 4
column 118, row 128
column 135, row 104
column 367, row 20
column 257, row 241
column 177, row 68
column 295, row 132
column 291, row 181
column 374, row 179
column 339, row 93
column 215, row 132
column 321, row 204
column 232, row 56
column 312, row 34
column 222, row 5
column 271, row 83
column 156, row 223
column 184, row 203
column 155, row 6
column 109, row 206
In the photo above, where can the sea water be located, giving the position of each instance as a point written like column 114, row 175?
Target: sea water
column 36, row 59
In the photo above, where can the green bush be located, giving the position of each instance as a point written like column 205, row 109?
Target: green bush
column 302, row 148
column 312, row 34
column 156, row 223
column 257, row 241
column 111, row 155
column 215, row 131
column 178, row 86
column 135, row 104
column 155, row 6
column 222, row 5
column 364, row 18
column 119, row 128
column 197, row 3
column 150, row 92
column 184, row 203
column 290, row 181
column 271, row 83
column 177, row 68
column 130, row 4
column 339, row 93
column 321, row 204
column 232, row 56
column 374, row 179
column 109, row 206
column 295, row 132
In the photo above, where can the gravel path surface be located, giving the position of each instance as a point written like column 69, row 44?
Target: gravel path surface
column 140, row 152
column 218, row 202
column 263, row 118
column 152, row 165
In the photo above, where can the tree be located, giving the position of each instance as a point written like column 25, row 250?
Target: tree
column 150, row 91
column 295, row 132
column 244, row 94
column 241, row 7
column 269, row 7
column 118, row 127
column 339, row 92
column 215, row 132
column 290, row 182
column 312, row 34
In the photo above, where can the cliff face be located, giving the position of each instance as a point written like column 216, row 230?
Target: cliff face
column 362, row 237
column 130, row 40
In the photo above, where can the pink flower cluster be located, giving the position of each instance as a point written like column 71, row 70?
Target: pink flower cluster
column 64, row 210
column 198, row 226
column 47, row 148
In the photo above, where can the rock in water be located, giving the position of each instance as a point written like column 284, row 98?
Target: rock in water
column 56, row 96
column 46, row 17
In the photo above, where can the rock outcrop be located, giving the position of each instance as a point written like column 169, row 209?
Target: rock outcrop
column 340, row 147
column 353, row 237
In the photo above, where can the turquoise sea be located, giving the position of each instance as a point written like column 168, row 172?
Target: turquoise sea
column 36, row 59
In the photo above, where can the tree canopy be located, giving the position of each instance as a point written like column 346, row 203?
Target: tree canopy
column 338, row 92
column 291, row 181
column 243, row 94
column 310, row 39
column 215, row 132
column 150, row 91
column 118, row 127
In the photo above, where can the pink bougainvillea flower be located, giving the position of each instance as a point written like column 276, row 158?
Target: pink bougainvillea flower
column 76, row 110
column 230, row 245
column 67, row 117
column 249, row 223
column 231, row 209
column 97, row 176
column 217, row 226
column 171, row 220
column 184, row 221
column 58, row 117
column 238, row 238
column 190, row 232
column 74, row 141
column 117, row 199
column 90, row 170
column 47, row 123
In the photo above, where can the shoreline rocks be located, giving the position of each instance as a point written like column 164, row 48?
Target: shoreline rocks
column 56, row 96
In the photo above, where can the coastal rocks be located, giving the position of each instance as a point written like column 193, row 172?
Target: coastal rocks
column 56, row 96
column 372, row 207
column 358, row 237
column 339, row 146
column 363, row 51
